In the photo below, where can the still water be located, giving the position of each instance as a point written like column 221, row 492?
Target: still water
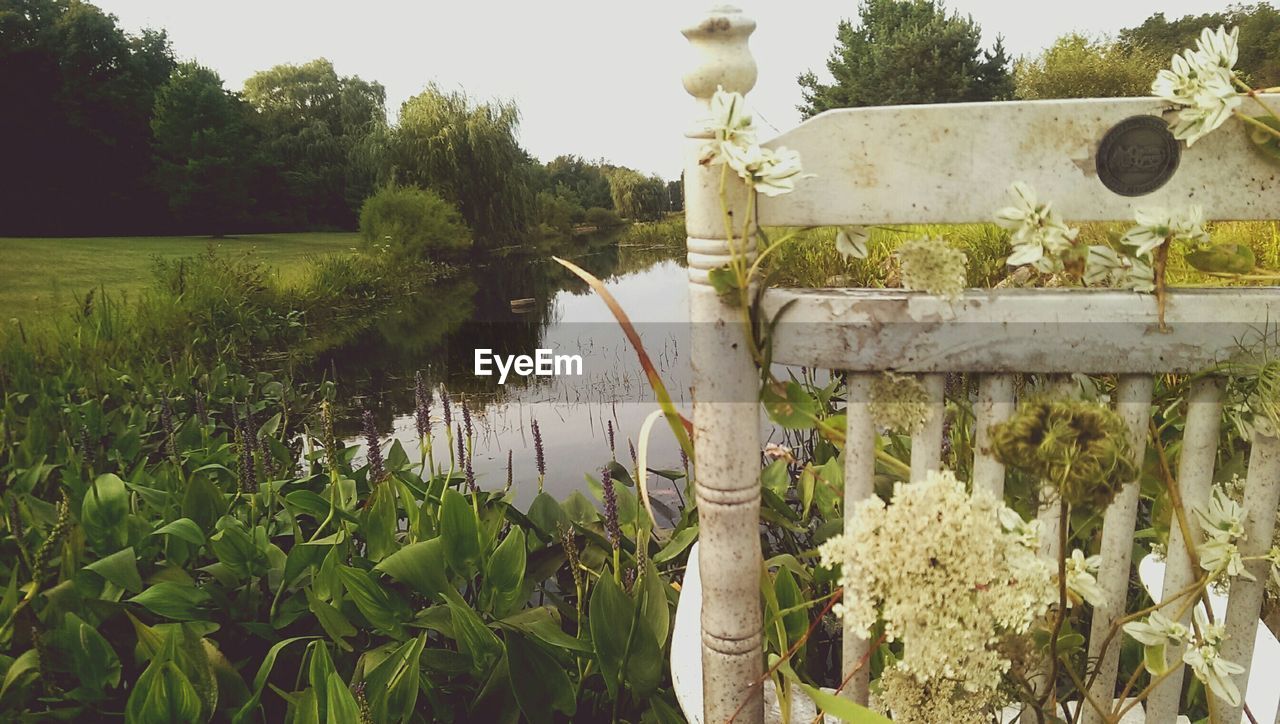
column 439, row 329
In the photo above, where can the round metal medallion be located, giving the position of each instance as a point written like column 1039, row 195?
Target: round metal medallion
column 1137, row 156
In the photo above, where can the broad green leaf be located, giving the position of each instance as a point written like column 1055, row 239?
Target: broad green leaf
column 1223, row 259
column 504, row 573
column 473, row 637
column 460, row 533
column 162, row 695
column 541, row 623
column 579, row 509
column 725, row 282
column 93, row 662
column 791, row 407
column 379, row 522
column 610, row 618
column 26, row 666
column 121, row 568
column 172, row 600
column 539, row 681
column 421, row 566
column 373, row 601
column 185, row 529
column 548, row 516
column 845, row 709
column 104, row 513
column 1154, row 658
column 341, row 703
column 203, row 502
column 331, row 620
column 678, row 543
column 789, row 596
column 776, row 477
column 653, row 602
column 392, row 686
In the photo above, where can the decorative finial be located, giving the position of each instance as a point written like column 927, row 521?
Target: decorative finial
column 724, row 59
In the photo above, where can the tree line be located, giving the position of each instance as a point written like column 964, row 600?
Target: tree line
column 111, row 134
column 917, row 51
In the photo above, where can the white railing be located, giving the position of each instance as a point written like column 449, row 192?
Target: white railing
column 952, row 164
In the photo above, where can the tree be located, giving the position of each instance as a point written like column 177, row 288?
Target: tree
column 636, row 196
column 908, row 51
column 203, row 150
column 579, row 181
column 1078, row 67
column 468, row 153
column 1259, row 38
column 316, row 127
column 77, row 129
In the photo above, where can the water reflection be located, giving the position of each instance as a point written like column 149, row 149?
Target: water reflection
column 438, row 330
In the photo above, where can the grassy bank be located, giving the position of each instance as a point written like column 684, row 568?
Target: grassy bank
column 41, row 278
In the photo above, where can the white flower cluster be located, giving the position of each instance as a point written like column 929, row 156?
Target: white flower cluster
column 771, row 171
column 1156, row 226
column 1157, row 632
column 899, row 403
column 1039, row 236
column 1222, row 520
column 946, row 575
column 1081, row 583
column 929, row 265
column 1202, row 81
column 910, row 701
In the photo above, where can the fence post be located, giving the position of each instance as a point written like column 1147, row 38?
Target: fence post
column 726, row 417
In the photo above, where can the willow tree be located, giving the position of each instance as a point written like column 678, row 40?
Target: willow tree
column 468, row 153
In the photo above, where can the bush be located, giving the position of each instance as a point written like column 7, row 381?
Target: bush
column 1080, row 67
column 602, row 218
column 412, row 222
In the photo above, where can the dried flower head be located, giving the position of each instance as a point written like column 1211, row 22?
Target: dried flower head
column 899, row 403
column 539, row 456
column 929, row 265
column 910, row 701
column 613, row 449
column 945, row 575
column 447, row 405
column 1079, row 449
column 247, row 477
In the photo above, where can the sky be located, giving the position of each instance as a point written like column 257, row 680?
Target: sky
column 596, row 78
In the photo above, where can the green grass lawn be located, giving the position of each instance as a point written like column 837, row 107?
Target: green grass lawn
column 41, row 278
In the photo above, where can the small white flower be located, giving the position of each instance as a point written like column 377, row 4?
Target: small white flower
column 1221, row 518
column 1157, row 630
column 851, row 242
column 1201, row 81
column 731, row 124
column 1220, row 555
column 1039, row 237
column 772, row 172
column 1156, row 225
column 1026, row 531
column 1107, row 266
column 1215, row 672
column 1080, row 580
column 1211, row 633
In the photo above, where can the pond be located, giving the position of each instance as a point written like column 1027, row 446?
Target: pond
column 515, row 306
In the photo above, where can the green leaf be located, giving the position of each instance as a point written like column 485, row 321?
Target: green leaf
column 539, row 681
column 678, row 543
column 788, row 592
column 185, row 529
column 473, row 637
column 26, row 666
column 380, row 522
column 725, row 282
column 791, row 407
column 331, row 620
column 776, row 477
column 104, row 513
column 121, row 568
column 1267, row 143
column 392, row 686
column 653, row 602
column 162, row 694
column 460, row 533
column 541, row 623
column 260, row 679
column 846, row 709
column 203, row 502
column 504, row 573
column 93, row 662
column 421, row 566
column 548, row 516
column 374, row 602
column 177, row 601
column 341, row 703
column 610, row 615
column 1154, row 658
column 1223, row 259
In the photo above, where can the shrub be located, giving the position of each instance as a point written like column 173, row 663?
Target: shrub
column 602, row 218
column 1080, row 67
column 412, row 222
